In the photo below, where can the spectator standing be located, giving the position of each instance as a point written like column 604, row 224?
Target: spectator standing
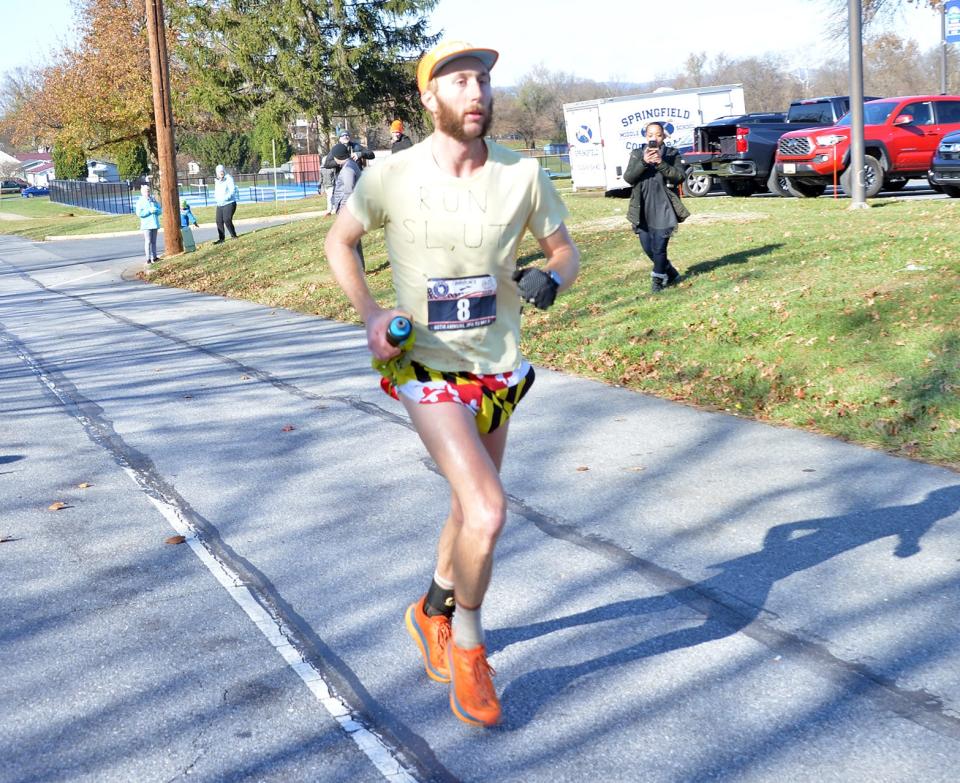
column 225, row 197
column 328, row 173
column 655, row 208
column 347, row 175
column 400, row 140
column 148, row 209
column 358, row 152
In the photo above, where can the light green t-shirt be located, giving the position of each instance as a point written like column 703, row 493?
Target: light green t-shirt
column 452, row 244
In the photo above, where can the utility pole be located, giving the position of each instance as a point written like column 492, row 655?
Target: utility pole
column 943, row 49
column 163, row 114
column 855, row 10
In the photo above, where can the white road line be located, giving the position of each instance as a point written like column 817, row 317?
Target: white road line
column 84, row 277
column 277, row 634
column 273, row 628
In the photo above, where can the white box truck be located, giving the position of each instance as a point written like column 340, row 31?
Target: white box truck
column 602, row 132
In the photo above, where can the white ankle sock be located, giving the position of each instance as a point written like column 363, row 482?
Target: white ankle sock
column 467, row 628
column 446, row 584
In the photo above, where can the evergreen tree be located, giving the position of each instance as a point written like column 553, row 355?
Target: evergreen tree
column 227, row 147
column 69, row 162
column 267, row 132
column 131, row 159
column 326, row 58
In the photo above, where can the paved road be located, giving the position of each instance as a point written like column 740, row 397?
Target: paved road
column 679, row 595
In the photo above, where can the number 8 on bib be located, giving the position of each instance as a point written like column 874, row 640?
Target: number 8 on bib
column 461, row 302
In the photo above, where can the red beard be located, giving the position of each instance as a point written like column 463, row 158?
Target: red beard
column 451, row 123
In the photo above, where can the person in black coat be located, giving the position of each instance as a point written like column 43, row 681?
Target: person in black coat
column 655, row 210
column 358, row 153
column 400, row 140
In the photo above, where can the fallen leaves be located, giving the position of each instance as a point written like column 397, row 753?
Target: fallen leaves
column 56, row 506
column 287, row 428
column 175, row 540
column 84, row 485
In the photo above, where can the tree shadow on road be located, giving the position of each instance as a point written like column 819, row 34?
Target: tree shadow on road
column 729, row 601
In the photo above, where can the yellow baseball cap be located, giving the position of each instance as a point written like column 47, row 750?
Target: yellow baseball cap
column 448, row 51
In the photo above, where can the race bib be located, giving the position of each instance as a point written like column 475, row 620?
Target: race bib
column 461, row 302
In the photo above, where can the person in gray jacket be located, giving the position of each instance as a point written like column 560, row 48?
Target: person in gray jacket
column 655, row 208
column 347, row 175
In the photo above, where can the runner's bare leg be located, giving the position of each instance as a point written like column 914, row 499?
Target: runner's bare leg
column 495, row 443
column 470, row 462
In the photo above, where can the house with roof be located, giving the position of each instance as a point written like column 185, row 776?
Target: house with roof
column 36, row 167
column 102, row 171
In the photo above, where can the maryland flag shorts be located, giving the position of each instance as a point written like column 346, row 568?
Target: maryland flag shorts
column 491, row 398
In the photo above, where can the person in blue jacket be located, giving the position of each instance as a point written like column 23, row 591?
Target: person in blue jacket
column 148, row 209
column 225, row 196
column 186, row 220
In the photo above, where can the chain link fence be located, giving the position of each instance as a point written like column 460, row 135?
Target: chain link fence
column 118, row 198
column 114, row 198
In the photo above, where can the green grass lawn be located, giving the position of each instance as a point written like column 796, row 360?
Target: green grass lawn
column 42, row 218
column 796, row 312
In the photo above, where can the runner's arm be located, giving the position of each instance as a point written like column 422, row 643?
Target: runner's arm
column 563, row 257
column 340, row 247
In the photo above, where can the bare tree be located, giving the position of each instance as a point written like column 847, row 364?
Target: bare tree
column 876, row 13
column 10, row 168
column 17, row 89
column 534, row 108
column 695, row 71
column 829, row 78
column 883, row 71
column 930, row 64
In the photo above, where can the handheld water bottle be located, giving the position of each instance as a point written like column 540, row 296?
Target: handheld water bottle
column 399, row 331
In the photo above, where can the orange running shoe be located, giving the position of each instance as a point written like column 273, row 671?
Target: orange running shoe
column 432, row 635
column 472, row 696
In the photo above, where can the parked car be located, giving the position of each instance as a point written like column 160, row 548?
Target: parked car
column 740, row 150
column 901, row 136
column 718, row 143
column 10, row 186
column 34, row 190
column 944, row 171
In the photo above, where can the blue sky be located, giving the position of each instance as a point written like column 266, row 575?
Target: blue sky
column 594, row 39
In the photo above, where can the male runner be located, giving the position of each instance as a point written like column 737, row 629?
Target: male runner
column 454, row 208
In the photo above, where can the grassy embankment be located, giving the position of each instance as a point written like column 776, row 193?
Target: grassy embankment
column 797, row 312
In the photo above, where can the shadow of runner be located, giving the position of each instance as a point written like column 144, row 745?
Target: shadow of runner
column 740, row 257
column 730, row 601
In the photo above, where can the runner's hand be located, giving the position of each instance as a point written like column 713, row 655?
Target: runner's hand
column 536, row 287
column 377, row 334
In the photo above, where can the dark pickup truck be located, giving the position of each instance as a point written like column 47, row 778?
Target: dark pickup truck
column 739, row 151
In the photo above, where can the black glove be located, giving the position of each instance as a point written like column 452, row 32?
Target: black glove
column 536, row 287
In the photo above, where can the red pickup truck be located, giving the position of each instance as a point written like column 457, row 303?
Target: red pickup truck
column 900, row 138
